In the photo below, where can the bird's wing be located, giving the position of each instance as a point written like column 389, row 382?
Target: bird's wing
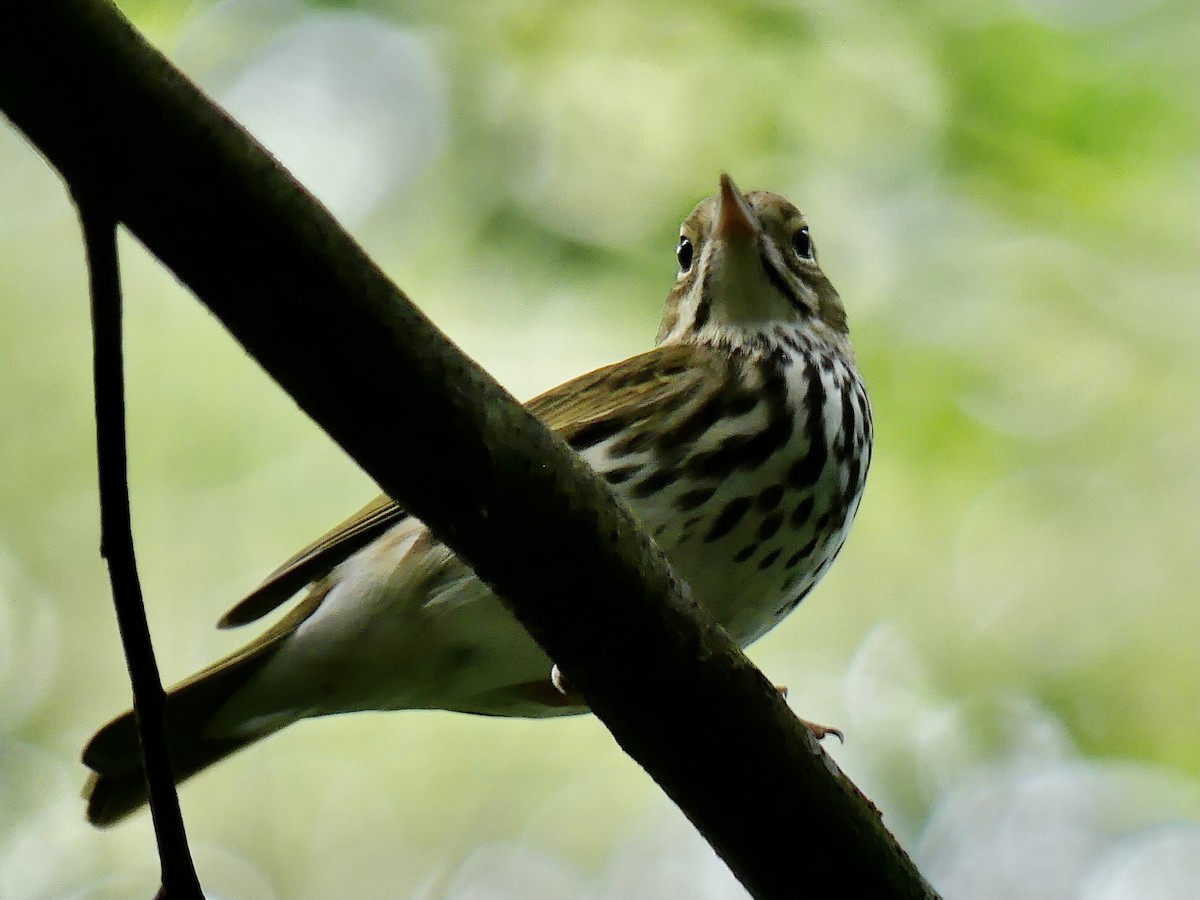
column 584, row 412
column 316, row 560
column 658, row 384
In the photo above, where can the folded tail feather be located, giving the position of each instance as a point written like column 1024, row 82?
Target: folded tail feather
column 117, row 786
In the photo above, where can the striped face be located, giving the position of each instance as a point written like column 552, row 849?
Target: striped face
column 748, row 264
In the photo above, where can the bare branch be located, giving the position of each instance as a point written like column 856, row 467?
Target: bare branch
column 116, row 546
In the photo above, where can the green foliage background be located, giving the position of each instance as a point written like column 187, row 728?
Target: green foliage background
column 1005, row 194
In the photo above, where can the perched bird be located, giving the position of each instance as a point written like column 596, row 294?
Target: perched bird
column 741, row 442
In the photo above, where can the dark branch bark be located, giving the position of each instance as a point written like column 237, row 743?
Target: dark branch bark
column 116, row 546
column 443, row 438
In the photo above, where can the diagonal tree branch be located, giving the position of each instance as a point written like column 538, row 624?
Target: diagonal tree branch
column 442, row 437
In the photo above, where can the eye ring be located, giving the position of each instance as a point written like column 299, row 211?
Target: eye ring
column 684, row 253
column 802, row 243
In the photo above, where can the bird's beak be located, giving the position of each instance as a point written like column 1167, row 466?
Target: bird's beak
column 735, row 219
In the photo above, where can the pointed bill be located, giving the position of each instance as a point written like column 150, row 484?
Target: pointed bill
column 735, row 219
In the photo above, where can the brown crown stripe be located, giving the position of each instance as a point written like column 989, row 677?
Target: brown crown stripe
column 728, row 519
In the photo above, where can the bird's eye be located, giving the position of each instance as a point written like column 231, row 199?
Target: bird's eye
column 684, row 252
column 802, row 243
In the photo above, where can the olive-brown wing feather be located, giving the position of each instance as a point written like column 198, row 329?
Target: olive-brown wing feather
column 584, row 411
column 316, row 560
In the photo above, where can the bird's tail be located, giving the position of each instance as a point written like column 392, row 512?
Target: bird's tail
column 117, row 786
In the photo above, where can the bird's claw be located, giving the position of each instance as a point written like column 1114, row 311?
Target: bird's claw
column 820, row 732
column 559, row 680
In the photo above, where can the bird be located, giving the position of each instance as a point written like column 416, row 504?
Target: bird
column 741, row 442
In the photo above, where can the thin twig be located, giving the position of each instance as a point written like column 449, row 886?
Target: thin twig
column 116, row 546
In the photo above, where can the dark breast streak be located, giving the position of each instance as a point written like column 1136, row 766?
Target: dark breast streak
column 749, row 487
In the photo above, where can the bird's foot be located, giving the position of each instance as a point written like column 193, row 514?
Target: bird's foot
column 820, row 732
column 559, row 680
